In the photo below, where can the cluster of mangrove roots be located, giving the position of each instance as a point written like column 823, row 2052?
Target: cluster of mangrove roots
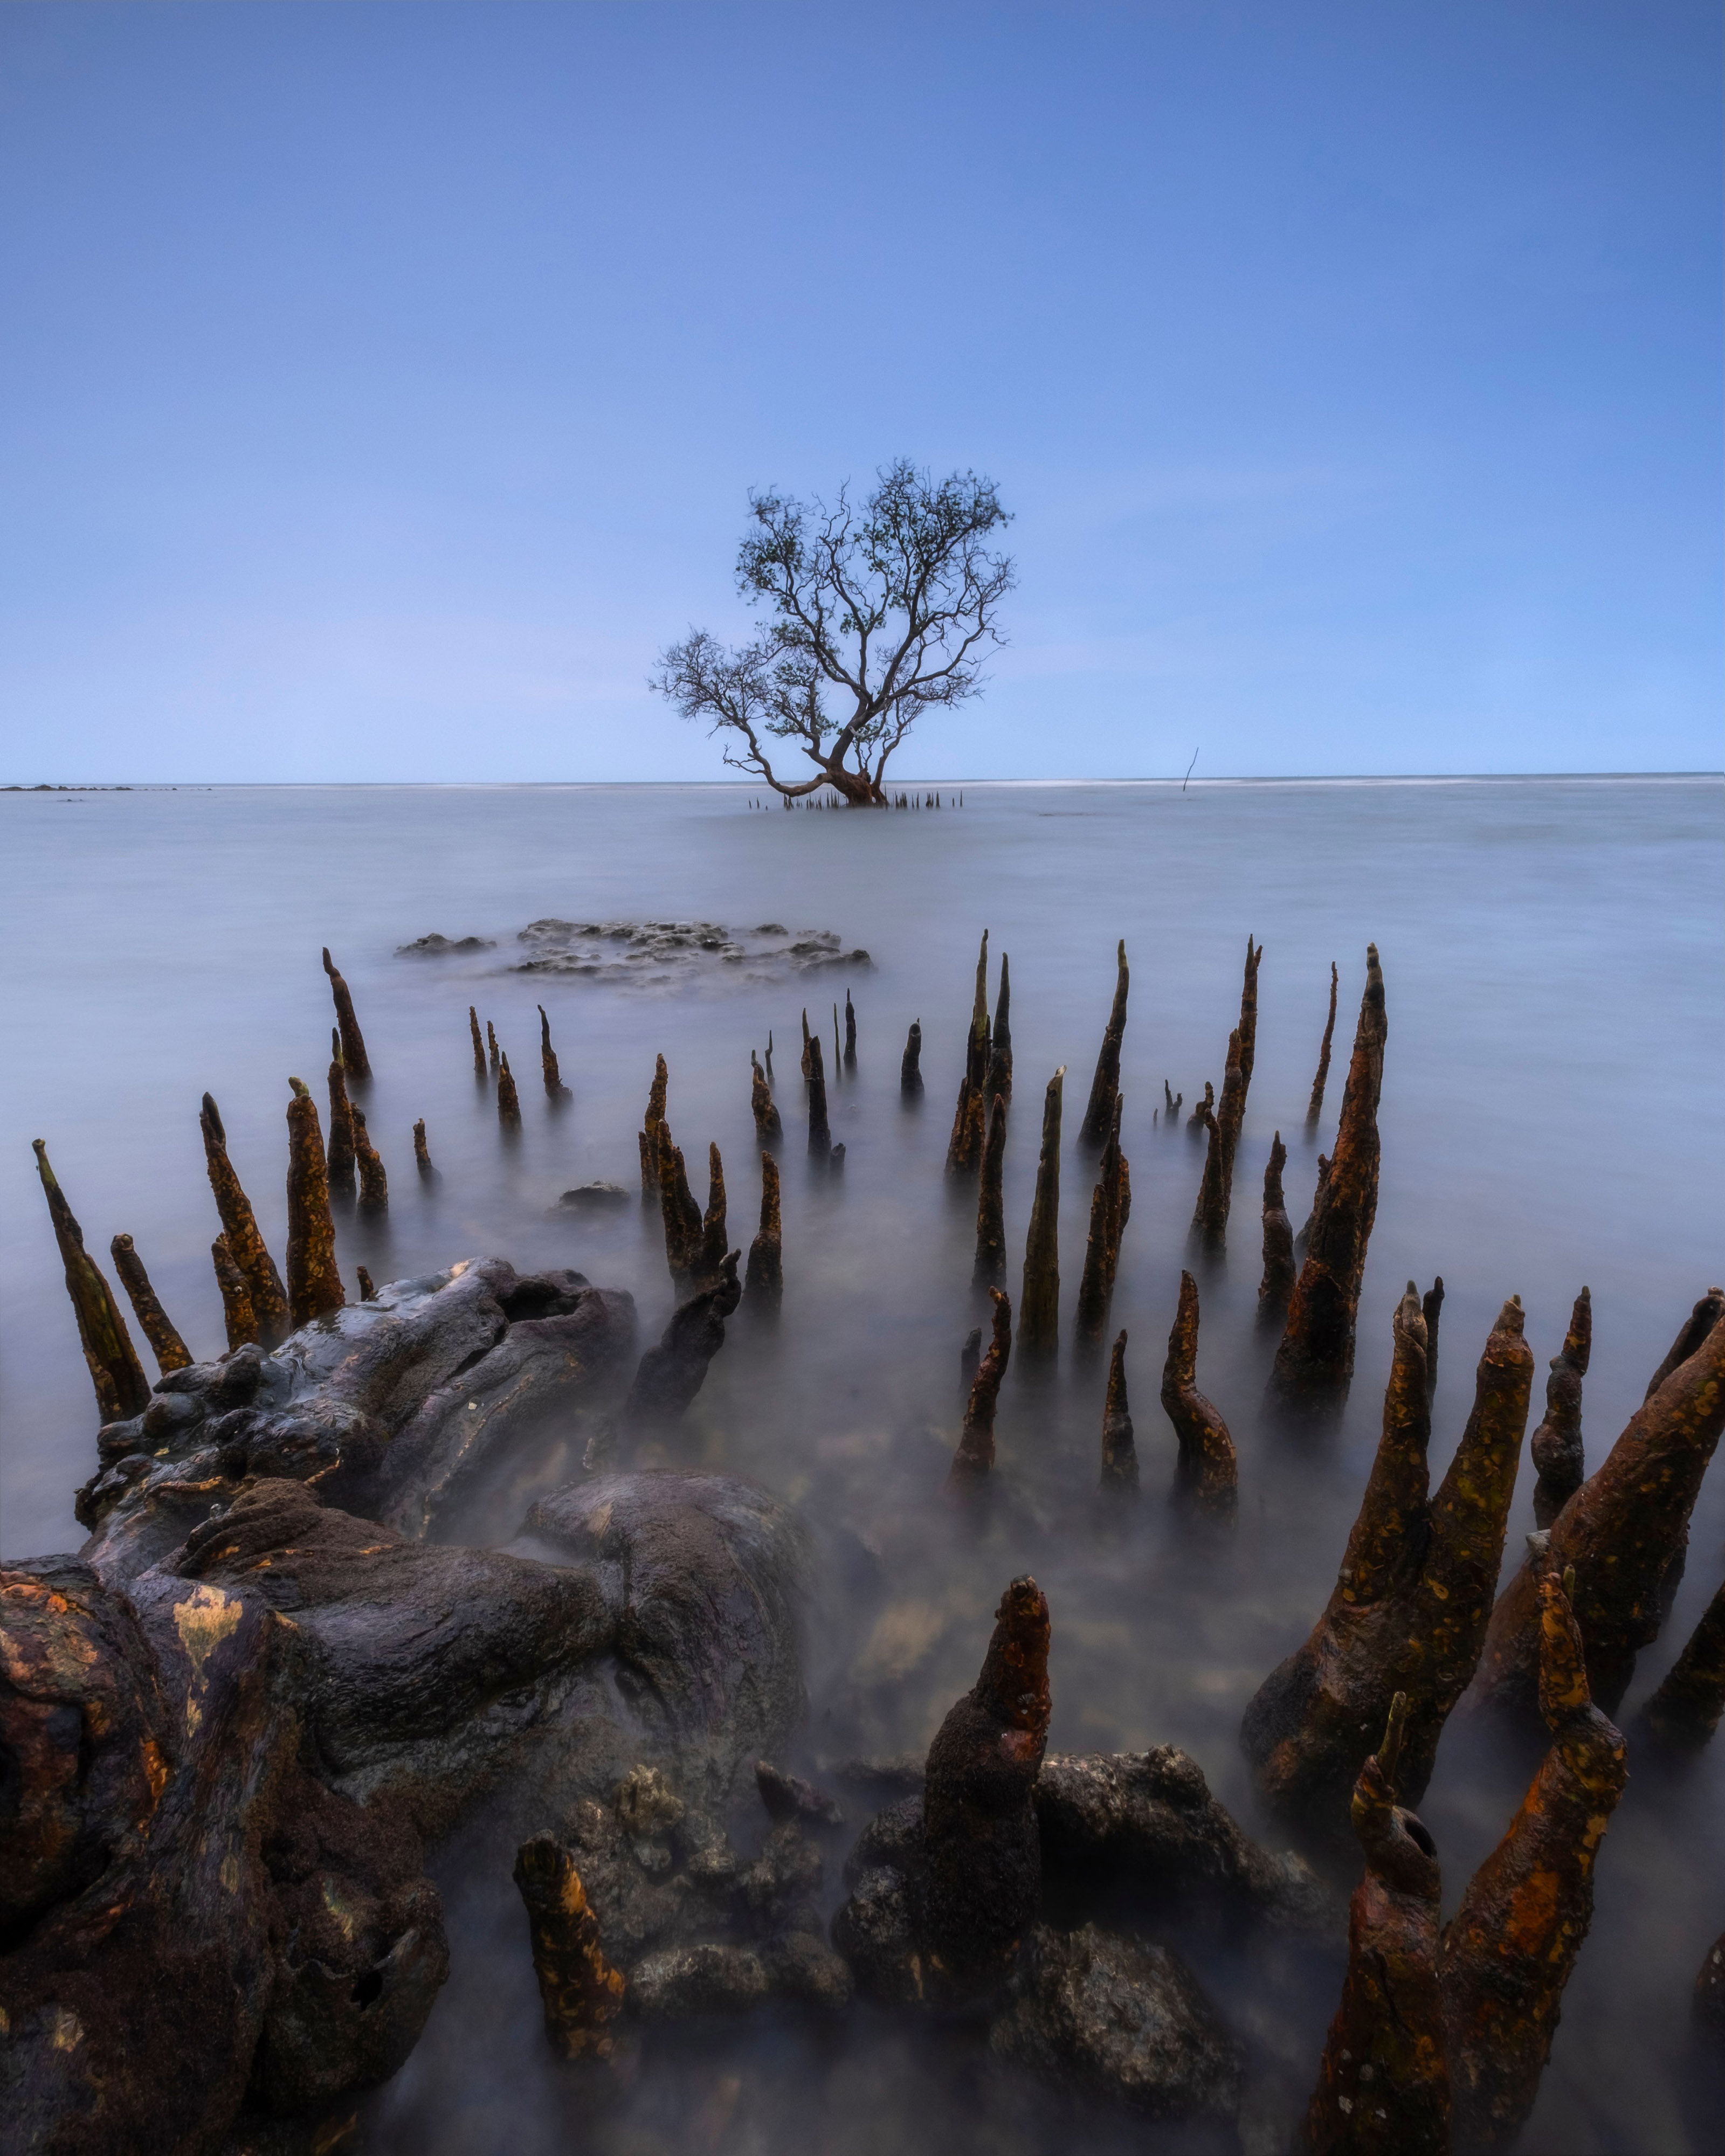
column 1314, row 1360
column 1624, row 1532
column 1413, row 1599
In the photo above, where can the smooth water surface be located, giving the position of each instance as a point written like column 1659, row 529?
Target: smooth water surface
column 1552, row 1116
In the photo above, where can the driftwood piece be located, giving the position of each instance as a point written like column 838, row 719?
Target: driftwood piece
column 1383, row 2085
column 508, row 1099
column 1099, row 1111
column 979, row 1833
column 1207, row 1476
column 820, row 1136
column 1314, row 1362
column 1685, row 1711
column 239, row 1229
column 353, row 1044
column 158, row 1328
column 1412, row 1600
column 122, row 1388
column 339, row 1156
column 373, row 1181
column 1555, row 1447
column 238, row 1315
column 314, row 1286
column 1276, row 1283
column 989, row 1269
column 997, row 1077
column 1111, row 1206
column 1314, row 1107
column 909, row 1069
column 673, row 1372
column 555, row 1089
column 581, row 1994
column 1120, row 1456
column 763, row 1283
column 768, row 1129
column 1508, row 1950
column 974, row 1460
column 1625, row 1532
column 479, row 1044
column 1039, row 1304
column 422, row 1153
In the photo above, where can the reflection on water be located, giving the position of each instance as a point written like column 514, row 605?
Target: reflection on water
column 1552, row 1114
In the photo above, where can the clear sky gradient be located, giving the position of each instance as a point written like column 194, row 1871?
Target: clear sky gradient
column 381, row 385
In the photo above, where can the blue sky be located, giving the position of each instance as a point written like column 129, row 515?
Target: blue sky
column 381, row 385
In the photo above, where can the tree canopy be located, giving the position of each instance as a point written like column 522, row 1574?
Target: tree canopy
column 880, row 612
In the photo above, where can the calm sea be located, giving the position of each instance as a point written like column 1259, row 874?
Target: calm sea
column 1552, row 1115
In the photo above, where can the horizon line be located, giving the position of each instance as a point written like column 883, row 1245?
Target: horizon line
column 500, row 785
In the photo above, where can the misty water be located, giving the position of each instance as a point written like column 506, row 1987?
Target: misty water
column 1550, row 1115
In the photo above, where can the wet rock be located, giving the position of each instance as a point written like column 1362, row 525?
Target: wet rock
column 801, row 1966
column 593, row 1197
column 158, row 1328
column 1113, row 2018
column 1314, row 1362
column 1685, row 1711
column 1146, row 1822
column 1412, row 1600
column 443, row 947
column 121, row 1387
column 239, row 1229
column 353, row 1045
column 684, row 1981
column 1383, row 2085
column 1099, row 1111
column 1556, row 1445
column 1039, row 1304
column 1207, row 1476
column 1509, row 1950
column 1119, row 1457
column 661, row 953
column 1625, row 1532
column 974, row 1460
column 788, row 1797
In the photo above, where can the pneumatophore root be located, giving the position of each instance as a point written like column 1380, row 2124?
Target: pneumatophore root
column 974, row 1460
column 1314, row 1362
column 353, row 1045
column 1099, row 1111
column 1277, row 1283
column 1623, row 1531
column 166, row 1345
column 1685, row 1711
column 1556, row 1445
column 509, row 1100
column 314, row 1286
column 1039, row 1305
column 989, row 1268
column 555, row 1088
column 1314, row 1107
column 650, row 1132
column 1120, row 1456
column 239, row 1231
column 768, row 1129
column 1109, row 1208
column 122, row 1388
column 1206, row 1476
column 909, row 1070
column 964, row 1149
column 581, row 1994
column 763, row 1283
column 373, row 1182
column 238, row 1314
column 339, row 1159
column 1412, row 1598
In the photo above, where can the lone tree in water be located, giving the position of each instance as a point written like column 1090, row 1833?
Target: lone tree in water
column 880, row 613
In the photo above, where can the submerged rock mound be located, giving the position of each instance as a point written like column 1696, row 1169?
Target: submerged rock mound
column 651, row 953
